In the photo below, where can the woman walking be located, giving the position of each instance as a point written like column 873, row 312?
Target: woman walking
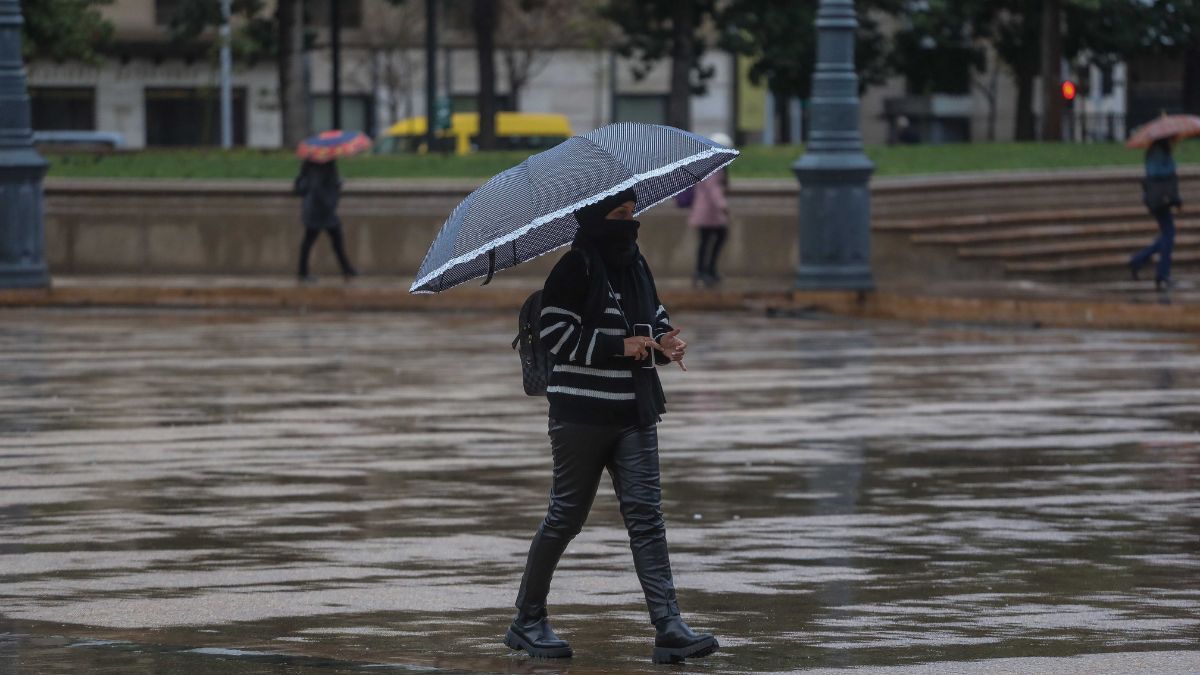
column 603, row 323
column 709, row 216
column 321, row 187
column 1160, row 192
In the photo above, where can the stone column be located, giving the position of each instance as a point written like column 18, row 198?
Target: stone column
column 835, row 201
column 22, row 243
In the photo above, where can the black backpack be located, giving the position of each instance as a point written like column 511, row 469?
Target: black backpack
column 536, row 360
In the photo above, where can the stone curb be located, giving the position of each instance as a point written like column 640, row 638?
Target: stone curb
column 884, row 305
column 1073, row 313
column 462, row 186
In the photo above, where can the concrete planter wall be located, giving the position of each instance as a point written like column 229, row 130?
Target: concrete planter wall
column 126, row 227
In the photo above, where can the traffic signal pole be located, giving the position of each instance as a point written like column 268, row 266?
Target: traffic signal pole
column 335, row 44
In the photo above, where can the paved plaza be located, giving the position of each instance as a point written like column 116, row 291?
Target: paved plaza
column 235, row 492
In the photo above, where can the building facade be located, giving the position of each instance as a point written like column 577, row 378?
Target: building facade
column 156, row 92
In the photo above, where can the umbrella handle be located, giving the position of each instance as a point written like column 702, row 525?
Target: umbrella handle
column 491, row 267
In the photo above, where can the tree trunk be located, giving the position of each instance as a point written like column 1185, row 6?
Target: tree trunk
column 1191, row 79
column 679, row 102
column 1051, row 71
column 1024, row 129
column 989, row 92
column 484, row 16
column 292, row 104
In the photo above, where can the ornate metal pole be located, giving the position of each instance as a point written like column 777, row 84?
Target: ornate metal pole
column 835, row 203
column 22, row 243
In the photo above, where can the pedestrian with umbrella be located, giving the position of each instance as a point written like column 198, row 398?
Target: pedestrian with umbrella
column 321, row 187
column 606, row 329
column 1160, row 188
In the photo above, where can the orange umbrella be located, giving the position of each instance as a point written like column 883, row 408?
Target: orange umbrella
column 1167, row 126
column 330, row 145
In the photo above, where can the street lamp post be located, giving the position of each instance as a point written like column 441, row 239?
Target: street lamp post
column 835, row 202
column 22, row 243
column 226, row 77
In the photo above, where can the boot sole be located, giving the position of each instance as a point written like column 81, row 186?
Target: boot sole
column 518, row 643
column 677, row 654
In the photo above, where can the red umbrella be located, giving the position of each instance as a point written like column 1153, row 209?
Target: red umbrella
column 330, row 145
column 1167, row 126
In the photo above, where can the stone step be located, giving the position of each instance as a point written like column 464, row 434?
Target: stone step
column 1092, row 262
column 1026, row 250
column 1049, row 217
column 1043, row 232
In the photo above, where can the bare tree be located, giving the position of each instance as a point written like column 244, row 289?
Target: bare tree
column 532, row 30
column 392, row 37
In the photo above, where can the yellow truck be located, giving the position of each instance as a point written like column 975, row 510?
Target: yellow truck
column 514, row 131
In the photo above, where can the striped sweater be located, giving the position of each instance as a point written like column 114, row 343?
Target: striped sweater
column 592, row 380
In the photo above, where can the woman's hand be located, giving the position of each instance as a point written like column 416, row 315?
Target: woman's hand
column 639, row 346
column 674, row 347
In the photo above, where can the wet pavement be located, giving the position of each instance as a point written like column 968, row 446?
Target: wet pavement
column 199, row 492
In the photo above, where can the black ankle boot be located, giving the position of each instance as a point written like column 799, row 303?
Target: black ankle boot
column 674, row 641
column 534, row 635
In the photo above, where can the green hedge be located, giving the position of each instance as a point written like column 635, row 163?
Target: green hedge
column 756, row 162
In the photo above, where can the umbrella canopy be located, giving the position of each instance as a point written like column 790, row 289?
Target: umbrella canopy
column 1167, row 126
column 528, row 210
column 330, row 145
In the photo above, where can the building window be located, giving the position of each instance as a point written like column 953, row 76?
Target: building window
column 349, row 11
column 356, row 113
column 63, row 108
column 191, row 116
column 165, row 11
column 650, row 108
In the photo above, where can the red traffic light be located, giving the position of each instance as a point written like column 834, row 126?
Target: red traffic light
column 1068, row 90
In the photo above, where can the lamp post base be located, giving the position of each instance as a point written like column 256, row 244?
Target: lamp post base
column 834, row 278
column 22, row 242
column 24, row 276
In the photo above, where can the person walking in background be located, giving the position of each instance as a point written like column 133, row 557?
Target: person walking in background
column 321, row 187
column 1160, row 192
column 709, row 215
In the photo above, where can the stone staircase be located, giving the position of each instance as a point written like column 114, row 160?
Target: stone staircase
column 1091, row 243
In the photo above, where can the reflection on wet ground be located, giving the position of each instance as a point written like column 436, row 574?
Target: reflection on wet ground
column 191, row 492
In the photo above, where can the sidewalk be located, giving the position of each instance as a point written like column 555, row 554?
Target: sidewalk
column 199, row 492
column 1121, row 305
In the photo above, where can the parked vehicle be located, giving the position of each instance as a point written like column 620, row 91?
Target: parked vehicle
column 78, row 141
column 514, row 131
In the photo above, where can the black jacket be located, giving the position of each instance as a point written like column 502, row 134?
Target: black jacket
column 592, row 381
column 321, row 188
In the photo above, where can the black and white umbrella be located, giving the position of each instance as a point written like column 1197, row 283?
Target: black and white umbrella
column 527, row 211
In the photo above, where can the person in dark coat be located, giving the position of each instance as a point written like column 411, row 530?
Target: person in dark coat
column 1160, row 192
column 321, row 187
column 605, row 402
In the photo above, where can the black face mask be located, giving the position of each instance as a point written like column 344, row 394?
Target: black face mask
column 616, row 240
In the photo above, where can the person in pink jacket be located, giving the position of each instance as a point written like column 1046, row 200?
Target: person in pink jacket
column 709, row 215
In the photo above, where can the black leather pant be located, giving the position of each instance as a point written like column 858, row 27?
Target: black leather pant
column 581, row 453
column 711, row 241
column 339, row 249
